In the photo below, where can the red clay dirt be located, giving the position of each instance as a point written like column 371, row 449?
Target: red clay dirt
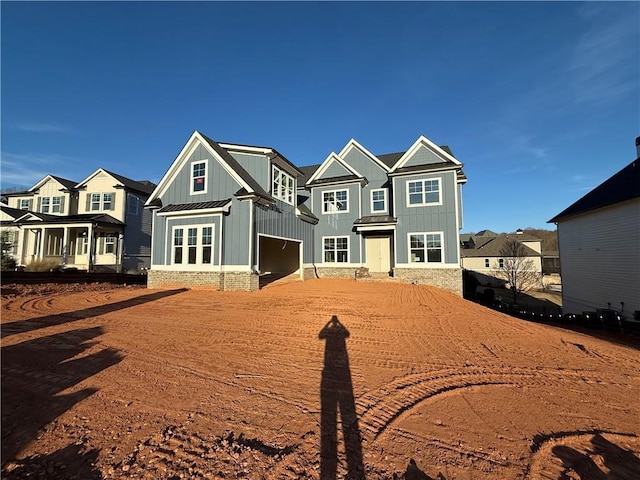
column 318, row 379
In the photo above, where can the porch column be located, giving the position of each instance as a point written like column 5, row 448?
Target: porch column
column 40, row 237
column 65, row 246
column 91, row 248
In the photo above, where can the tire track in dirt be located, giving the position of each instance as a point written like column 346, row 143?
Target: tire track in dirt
column 382, row 407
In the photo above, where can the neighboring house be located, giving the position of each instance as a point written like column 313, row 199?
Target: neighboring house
column 224, row 214
column 481, row 254
column 599, row 243
column 97, row 224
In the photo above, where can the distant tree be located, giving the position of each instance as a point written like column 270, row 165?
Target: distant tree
column 516, row 268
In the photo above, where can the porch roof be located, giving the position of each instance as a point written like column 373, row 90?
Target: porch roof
column 46, row 219
column 179, row 207
column 376, row 220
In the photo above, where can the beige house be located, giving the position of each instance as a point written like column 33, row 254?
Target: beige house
column 481, row 253
column 97, row 224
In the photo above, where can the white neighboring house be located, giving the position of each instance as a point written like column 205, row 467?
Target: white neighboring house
column 97, row 224
column 599, row 242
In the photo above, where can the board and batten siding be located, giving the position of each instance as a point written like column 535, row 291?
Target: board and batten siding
column 256, row 165
column 220, row 185
column 376, row 177
column 600, row 259
column 432, row 218
column 137, row 233
column 424, row 156
column 335, row 169
column 280, row 220
column 337, row 224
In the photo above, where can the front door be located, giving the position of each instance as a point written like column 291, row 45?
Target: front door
column 378, row 254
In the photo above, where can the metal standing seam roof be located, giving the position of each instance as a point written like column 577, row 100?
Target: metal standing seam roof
column 181, row 207
column 343, row 178
column 102, row 218
column 375, row 219
column 624, row 185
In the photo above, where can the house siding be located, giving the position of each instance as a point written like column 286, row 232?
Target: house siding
column 436, row 218
column 256, row 165
column 423, row 156
column 376, row 176
column 236, row 235
column 600, row 259
column 335, row 170
column 337, row 224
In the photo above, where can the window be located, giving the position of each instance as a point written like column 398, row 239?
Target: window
column 423, row 192
column 336, row 249
column 56, row 204
column 335, row 201
column 207, row 242
column 379, row 200
column 95, row 201
column 133, row 205
column 83, row 245
column 282, row 186
column 45, row 204
column 199, row 177
column 199, row 245
column 107, row 201
column 24, row 204
column 110, row 243
column 425, row 247
column 486, row 263
column 501, row 262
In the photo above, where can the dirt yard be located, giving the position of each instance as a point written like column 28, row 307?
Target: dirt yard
column 319, row 379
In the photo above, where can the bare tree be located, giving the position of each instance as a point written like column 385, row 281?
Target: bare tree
column 516, row 268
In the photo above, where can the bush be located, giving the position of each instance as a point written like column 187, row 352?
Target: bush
column 8, row 263
column 44, row 265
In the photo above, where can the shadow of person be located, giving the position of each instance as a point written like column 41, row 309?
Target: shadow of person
column 336, row 393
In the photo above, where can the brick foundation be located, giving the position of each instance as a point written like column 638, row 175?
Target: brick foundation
column 449, row 279
column 215, row 280
column 327, row 272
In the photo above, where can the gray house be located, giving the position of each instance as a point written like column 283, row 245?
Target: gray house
column 226, row 214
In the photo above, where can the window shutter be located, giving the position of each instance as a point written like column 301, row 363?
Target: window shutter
column 88, row 202
column 30, row 203
column 101, row 245
column 39, row 204
column 113, row 201
column 62, row 204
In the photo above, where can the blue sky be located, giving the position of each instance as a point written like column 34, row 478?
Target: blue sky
column 540, row 100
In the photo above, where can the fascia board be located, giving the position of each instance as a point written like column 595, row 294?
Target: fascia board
column 423, row 141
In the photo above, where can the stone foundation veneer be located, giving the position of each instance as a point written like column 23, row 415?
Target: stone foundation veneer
column 449, row 279
column 218, row 280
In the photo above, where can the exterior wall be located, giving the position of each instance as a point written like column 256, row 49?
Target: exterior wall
column 220, row 184
column 103, row 183
column 280, row 220
column 214, row 280
column 449, row 279
column 336, row 272
column 436, row 218
column 423, row 156
column 14, row 202
column 236, row 237
column 256, row 165
column 163, row 238
column 137, row 235
column 51, row 188
column 337, row 224
column 376, row 176
column 335, row 170
column 600, row 259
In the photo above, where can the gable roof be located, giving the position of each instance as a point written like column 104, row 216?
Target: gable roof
column 68, row 184
column 15, row 213
column 247, row 183
column 333, row 157
column 306, row 174
column 145, row 187
column 493, row 246
column 624, row 185
column 351, row 144
column 422, row 141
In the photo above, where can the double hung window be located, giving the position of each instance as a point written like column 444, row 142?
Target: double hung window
column 45, row 204
column 199, row 177
column 423, row 192
column 336, row 249
column 379, row 200
column 335, row 201
column 425, row 248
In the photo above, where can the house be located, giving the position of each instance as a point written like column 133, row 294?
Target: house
column 224, row 214
column 97, row 224
column 599, row 244
column 483, row 254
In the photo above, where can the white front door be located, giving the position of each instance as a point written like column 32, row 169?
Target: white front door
column 378, row 254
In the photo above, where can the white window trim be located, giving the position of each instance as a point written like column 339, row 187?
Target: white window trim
column 53, row 204
column 26, row 200
column 334, row 192
column 114, row 237
column 336, row 237
column 424, row 192
column 426, row 262
column 386, row 203
column 276, row 171
column 206, row 173
column 185, row 246
column 48, row 205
